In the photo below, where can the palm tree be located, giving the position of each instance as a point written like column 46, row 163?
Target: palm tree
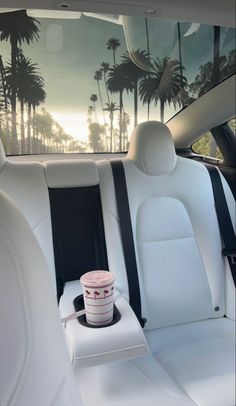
column 43, row 123
column 113, row 44
column 105, row 68
column 38, row 98
column 204, row 80
column 26, row 79
column 90, row 114
column 124, row 124
column 118, row 81
column 98, row 77
column 163, row 84
column 134, row 74
column 18, row 28
column 111, row 108
column 34, row 97
column 95, row 140
column 94, row 99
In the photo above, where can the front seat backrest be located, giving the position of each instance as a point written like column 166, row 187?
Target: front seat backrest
column 34, row 364
column 25, row 183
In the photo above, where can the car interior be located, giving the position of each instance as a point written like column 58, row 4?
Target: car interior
column 117, row 153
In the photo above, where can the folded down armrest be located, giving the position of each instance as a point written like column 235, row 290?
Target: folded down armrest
column 121, row 341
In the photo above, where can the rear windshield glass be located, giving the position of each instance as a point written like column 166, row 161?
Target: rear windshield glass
column 71, row 86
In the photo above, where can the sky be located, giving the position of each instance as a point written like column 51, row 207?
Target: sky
column 69, row 51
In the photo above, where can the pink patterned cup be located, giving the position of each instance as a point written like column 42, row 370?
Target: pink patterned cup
column 98, row 294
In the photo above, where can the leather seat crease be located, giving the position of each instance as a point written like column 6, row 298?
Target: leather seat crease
column 25, row 183
column 34, row 364
column 186, row 286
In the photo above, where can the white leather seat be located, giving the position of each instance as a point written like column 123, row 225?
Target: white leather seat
column 186, row 285
column 34, row 364
column 183, row 277
column 25, row 183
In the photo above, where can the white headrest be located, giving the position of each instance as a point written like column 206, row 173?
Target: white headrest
column 71, row 173
column 2, row 155
column 152, row 148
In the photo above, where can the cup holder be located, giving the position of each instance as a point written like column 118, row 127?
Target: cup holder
column 79, row 305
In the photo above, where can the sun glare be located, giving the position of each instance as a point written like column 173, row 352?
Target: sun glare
column 73, row 124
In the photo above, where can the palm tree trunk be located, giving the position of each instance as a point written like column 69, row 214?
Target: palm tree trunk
column 148, row 111
column 22, row 127
column 13, row 91
column 162, row 108
column 121, row 118
column 28, row 148
column 136, row 104
column 114, row 56
column 148, row 54
column 95, row 112
column 107, row 91
column 180, row 54
column 147, row 37
column 33, row 127
column 216, row 56
column 111, row 131
column 101, row 101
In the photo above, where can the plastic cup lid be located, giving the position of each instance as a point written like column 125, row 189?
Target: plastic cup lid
column 97, row 278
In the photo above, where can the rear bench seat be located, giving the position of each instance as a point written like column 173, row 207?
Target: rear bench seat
column 178, row 331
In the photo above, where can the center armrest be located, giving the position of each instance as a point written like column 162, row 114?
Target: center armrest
column 93, row 346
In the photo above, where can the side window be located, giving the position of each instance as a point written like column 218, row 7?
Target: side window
column 232, row 124
column 207, row 146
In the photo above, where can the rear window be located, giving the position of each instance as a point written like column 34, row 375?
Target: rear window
column 71, row 86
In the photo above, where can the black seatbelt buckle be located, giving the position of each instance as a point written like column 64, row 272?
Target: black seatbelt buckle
column 230, row 254
column 143, row 321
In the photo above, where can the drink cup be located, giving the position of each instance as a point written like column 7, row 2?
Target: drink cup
column 98, row 292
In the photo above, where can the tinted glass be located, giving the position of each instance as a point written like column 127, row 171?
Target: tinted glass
column 207, row 146
column 71, row 86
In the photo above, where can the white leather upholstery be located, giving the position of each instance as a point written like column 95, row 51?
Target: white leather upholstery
column 25, row 183
column 132, row 383
column 147, row 140
column 200, row 357
column 72, row 173
column 91, row 346
column 183, row 279
column 176, row 254
column 34, row 364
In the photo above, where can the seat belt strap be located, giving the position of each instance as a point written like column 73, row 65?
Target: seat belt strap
column 224, row 219
column 127, row 239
